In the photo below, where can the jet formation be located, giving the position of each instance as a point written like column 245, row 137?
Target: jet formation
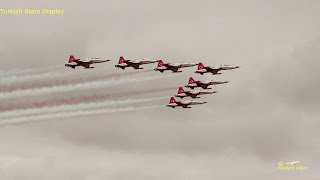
column 162, row 67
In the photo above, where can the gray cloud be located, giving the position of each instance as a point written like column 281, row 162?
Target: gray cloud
column 292, row 79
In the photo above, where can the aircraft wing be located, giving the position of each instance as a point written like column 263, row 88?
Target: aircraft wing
column 129, row 62
column 173, row 105
column 199, row 83
column 169, row 65
column 162, row 68
column 185, row 105
column 192, row 92
column 134, row 64
column 202, row 70
column 78, row 62
column 213, row 70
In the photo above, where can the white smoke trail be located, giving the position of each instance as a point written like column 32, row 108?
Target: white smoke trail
column 30, row 119
column 9, row 77
column 74, row 87
column 14, row 79
column 73, row 107
column 21, row 72
column 21, row 78
column 49, row 79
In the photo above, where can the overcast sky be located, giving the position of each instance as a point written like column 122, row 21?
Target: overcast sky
column 266, row 114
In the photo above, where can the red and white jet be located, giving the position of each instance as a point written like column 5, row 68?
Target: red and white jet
column 194, row 94
column 204, row 85
column 123, row 63
column 214, row 70
column 173, row 103
column 172, row 67
column 73, row 62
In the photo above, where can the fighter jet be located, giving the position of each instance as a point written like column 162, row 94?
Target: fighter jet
column 292, row 162
column 194, row 94
column 214, row 70
column 172, row 67
column 123, row 63
column 73, row 63
column 173, row 103
column 204, row 85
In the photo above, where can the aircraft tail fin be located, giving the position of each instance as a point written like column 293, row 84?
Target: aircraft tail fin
column 160, row 63
column 191, row 80
column 180, row 90
column 200, row 66
column 71, row 59
column 121, row 60
column 172, row 100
